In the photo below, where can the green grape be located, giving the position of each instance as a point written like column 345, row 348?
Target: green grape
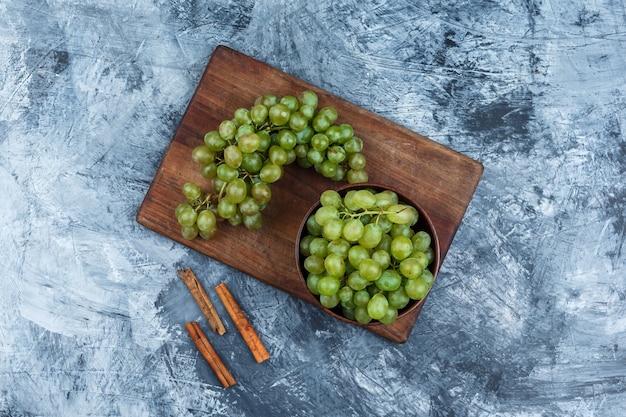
column 328, row 285
column 252, row 162
column 206, row 221
column 357, row 161
column 266, row 140
column 249, row 143
column 325, row 213
column 270, row 173
column 244, row 130
column 347, row 131
column 336, row 154
column 301, row 150
column 261, row 192
column 307, row 111
column 298, row 121
column 356, row 281
column 328, row 169
column 382, row 257
column 209, row 171
column 321, row 123
column 334, row 134
column 345, row 294
column 398, row 298
column 390, row 316
column 361, row 298
column 267, row 100
column 286, row 139
column 291, row 102
column 420, row 257
column 314, row 264
column 319, row 247
column 421, row 241
column 211, row 234
column 377, row 306
column 253, row 222
column 236, row 190
column 332, row 229
column 202, row 155
column 401, row 230
column 329, row 301
column 226, row 208
column 187, row 217
column 356, row 176
column 249, row 206
column 353, row 230
column 361, row 315
column 416, row 289
column 227, row 130
column 364, row 199
column 308, row 97
column 313, row 227
column 305, row 135
column 214, row 141
column 233, row 156
column 372, row 235
column 279, row 114
column 353, row 145
column 192, row 191
column 226, row 173
column 357, row 254
column 312, row 281
column 370, row 269
column 259, row 113
column 179, row 208
column 330, row 113
column 242, row 115
column 339, row 247
column 399, row 213
column 401, row 247
column 320, row 142
column 427, row 277
column 315, row 157
column 305, row 245
column 278, row 155
column 189, row 232
column 334, row 265
column 389, row 280
column 330, row 198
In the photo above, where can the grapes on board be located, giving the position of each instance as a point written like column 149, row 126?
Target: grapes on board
column 244, row 155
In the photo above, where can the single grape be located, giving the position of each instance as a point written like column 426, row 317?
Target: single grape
column 286, row 139
column 279, row 114
column 202, row 155
column 356, row 176
column 390, row 316
column 271, row 173
column 259, row 114
column 236, row 190
column 332, row 229
column 361, row 315
column 421, row 241
column 334, row 265
column 357, row 161
column 227, row 130
column 353, row 230
column 389, row 280
column 261, row 192
column 187, row 217
column 372, row 235
column 192, row 191
column 330, row 113
column 308, row 97
column 226, row 173
column 401, row 247
column 321, row 123
column 312, row 281
column 399, row 213
column 242, row 115
column 298, row 121
column 252, row 162
column 249, row 143
column 253, row 222
column 329, row 301
column 249, row 206
column 356, row 281
column 328, row 285
column 226, row 208
column 357, row 254
column 377, row 306
column 416, row 289
column 206, row 221
column 214, row 141
column 291, row 102
column 330, row 198
column 233, row 156
column 189, row 232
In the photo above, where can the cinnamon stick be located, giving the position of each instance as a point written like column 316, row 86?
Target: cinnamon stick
column 202, row 299
column 209, row 354
column 242, row 323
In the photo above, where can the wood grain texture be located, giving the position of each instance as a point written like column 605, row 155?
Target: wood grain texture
column 441, row 180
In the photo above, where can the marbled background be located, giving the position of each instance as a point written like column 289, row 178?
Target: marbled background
column 528, row 315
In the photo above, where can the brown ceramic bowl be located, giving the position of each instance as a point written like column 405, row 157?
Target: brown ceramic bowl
column 424, row 223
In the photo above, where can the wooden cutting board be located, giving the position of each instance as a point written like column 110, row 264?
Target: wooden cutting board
column 441, row 180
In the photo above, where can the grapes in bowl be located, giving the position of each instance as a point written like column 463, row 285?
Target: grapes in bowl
column 368, row 254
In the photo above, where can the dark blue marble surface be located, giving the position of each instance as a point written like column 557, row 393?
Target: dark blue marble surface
column 528, row 315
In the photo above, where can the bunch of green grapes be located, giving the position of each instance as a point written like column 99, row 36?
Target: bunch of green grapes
column 363, row 256
column 248, row 152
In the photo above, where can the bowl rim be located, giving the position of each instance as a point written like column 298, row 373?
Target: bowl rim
column 423, row 217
